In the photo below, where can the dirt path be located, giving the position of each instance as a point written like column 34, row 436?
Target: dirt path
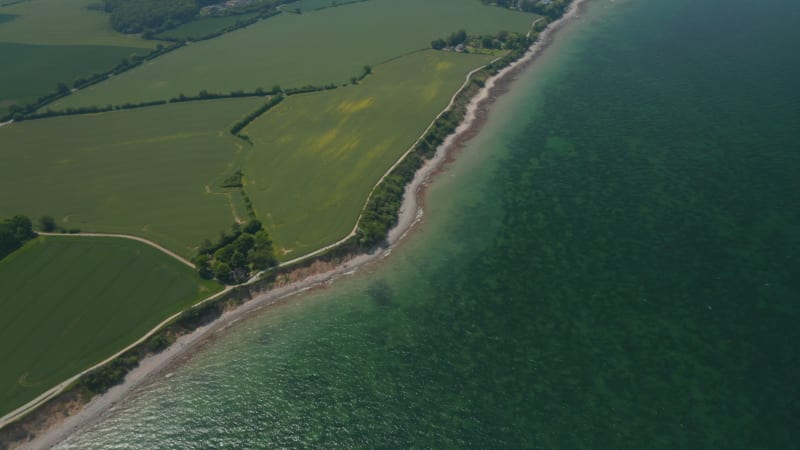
column 125, row 236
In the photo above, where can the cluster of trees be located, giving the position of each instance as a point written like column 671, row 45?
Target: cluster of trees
column 136, row 16
column 503, row 40
column 13, row 233
column 456, row 38
column 552, row 9
column 153, row 16
column 236, row 254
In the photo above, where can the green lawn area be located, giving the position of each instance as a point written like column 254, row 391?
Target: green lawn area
column 292, row 50
column 70, row 302
column 203, row 27
column 46, row 42
column 317, row 156
column 152, row 172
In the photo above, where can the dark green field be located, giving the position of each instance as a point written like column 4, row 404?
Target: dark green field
column 203, row 27
column 70, row 302
column 37, row 69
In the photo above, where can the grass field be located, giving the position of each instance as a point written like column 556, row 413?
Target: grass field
column 311, row 5
column 63, row 22
column 317, row 156
column 45, row 42
column 37, row 69
column 293, row 50
column 153, row 172
column 203, row 27
column 70, row 302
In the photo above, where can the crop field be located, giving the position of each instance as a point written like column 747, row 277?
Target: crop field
column 55, row 41
column 311, row 5
column 317, row 156
column 203, row 27
column 63, row 22
column 293, row 50
column 152, row 172
column 37, row 69
column 70, row 302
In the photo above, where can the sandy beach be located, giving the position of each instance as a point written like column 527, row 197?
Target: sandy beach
column 411, row 213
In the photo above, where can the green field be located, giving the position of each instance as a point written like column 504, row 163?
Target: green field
column 46, row 42
column 63, row 22
column 203, row 27
column 37, row 69
column 70, row 302
column 294, row 50
column 311, row 5
column 317, row 156
column 152, row 172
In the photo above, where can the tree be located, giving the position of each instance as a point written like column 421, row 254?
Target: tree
column 62, row 88
column 202, row 264
column 222, row 271
column 47, row 223
column 438, row 44
column 367, row 70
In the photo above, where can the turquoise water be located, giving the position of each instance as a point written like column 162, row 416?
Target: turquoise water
column 614, row 263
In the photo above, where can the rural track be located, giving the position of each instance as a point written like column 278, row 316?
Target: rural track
column 125, row 236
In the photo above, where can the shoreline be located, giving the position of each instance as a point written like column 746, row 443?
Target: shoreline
column 53, row 430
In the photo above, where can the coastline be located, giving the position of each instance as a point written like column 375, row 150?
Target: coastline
column 55, row 429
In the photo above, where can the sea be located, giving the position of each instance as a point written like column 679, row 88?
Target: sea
column 613, row 262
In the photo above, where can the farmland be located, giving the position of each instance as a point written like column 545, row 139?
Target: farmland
column 317, row 156
column 63, row 22
column 292, row 50
column 54, row 41
column 202, row 27
column 70, row 302
column 152, row 172
column 37, row 69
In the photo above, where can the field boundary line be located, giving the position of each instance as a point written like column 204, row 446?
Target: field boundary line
column 161, row 248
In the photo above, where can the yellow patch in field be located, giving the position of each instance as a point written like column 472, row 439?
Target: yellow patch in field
column 325, row 140
column 348, row 107
column 441, row 66
column 430, row 92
